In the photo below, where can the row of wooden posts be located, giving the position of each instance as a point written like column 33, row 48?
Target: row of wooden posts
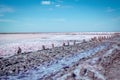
column 44, row 48
column 100, row 38
column 64, row 44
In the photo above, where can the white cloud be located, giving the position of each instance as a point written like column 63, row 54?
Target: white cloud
column 45, row 2
column 57, row 5
column 63, row 6
column 7, row 20
column 4, row 9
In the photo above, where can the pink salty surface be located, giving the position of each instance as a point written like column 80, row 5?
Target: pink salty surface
column 9, row 43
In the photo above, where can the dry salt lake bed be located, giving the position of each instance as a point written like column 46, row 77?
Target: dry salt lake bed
column 60, row 56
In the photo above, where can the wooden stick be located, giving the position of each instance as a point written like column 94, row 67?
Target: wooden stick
column 68, row 43
column 43, row 47
column 19, row 50
column 74, row 42
column 53, row 46
column 63, row 44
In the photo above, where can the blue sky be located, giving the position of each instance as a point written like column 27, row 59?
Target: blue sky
column 59, row 15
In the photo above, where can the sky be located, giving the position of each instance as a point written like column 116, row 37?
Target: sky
column 59, row 16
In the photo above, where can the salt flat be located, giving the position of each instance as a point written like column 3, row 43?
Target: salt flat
column 87, row 59
column 9, row 43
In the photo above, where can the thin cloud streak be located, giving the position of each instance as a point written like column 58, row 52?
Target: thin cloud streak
column 109, row 9
column 45, row 2
column 7, row 20
column 4, row 9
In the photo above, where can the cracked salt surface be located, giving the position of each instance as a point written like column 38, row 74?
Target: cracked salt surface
column 41, row 71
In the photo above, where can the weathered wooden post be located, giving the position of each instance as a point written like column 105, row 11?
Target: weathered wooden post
column 92, row 39
column 99, row 39
column 104, row 37
column 74, row 42
column 110, row 37
column 68, row 43
column 63, row 44
column 19, row 50
column 43, row 47
column 53, row 46
column 95, row 38
column 84, row 41
column 107, row 37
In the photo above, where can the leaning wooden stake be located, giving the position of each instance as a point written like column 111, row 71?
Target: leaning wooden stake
column 53, row 46
column 84, row 41
column 68, row 43
column 43, row 47
column 74, row 42
column 19, row 50
column 98, row 39
column 63, row 44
